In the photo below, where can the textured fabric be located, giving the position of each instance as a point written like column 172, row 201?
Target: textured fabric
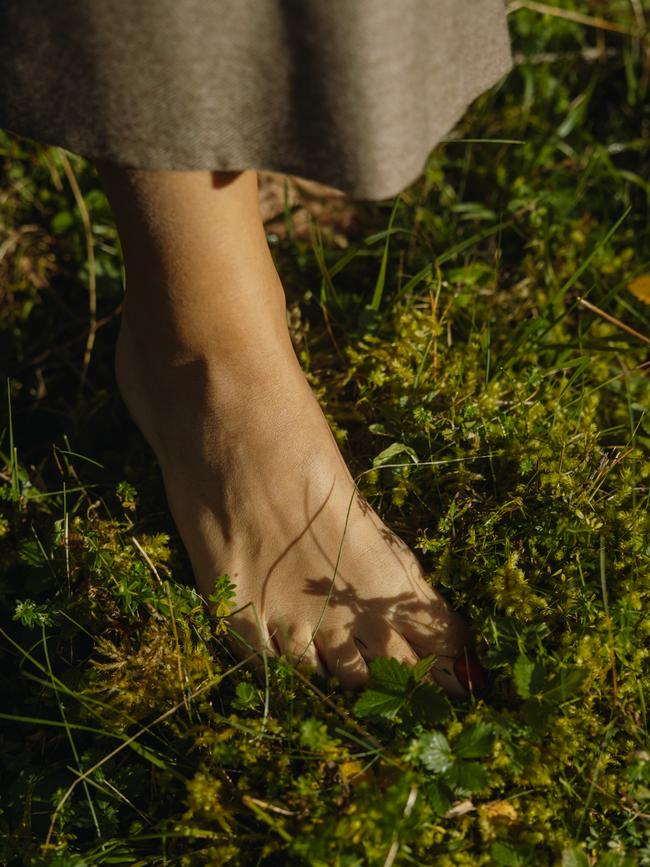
column 352, row 93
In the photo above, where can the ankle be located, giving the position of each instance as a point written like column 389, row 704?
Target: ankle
column 217, row 370
column 223, row 326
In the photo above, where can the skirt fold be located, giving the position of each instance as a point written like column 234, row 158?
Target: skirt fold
column 351, row 93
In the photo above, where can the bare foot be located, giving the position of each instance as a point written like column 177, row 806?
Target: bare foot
column 254, row 478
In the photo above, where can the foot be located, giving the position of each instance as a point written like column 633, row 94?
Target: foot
column 259, row 491
column 254, row 479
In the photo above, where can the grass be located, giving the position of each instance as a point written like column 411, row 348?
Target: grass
column 481, row 350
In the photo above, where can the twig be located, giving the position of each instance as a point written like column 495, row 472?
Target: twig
column 265, row 805
column 408, row 809
column 613, row 320
column 570, row 15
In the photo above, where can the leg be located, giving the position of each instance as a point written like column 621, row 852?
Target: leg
column 254, row 478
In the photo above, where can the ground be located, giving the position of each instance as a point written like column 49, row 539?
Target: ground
column 480, row 347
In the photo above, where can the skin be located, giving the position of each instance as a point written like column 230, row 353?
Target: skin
column 254, row 479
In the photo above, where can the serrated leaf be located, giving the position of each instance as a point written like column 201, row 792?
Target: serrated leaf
column 30, row 552
column 434, row 752
column 314, row 735
column 429, row 705
column 522, row 673
column 246, row 696
column 470, row 776
column 475, row 742
column 421, row 667
column 373, row 703
column 538, row 680
column 390, row 682
column 390, row 675
column 535, row 711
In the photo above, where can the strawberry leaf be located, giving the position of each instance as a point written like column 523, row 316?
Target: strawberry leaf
column 475, row 741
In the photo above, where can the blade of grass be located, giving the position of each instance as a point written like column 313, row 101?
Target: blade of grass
column 69, row 735
column 327, row 291
column 608, row 618
column 377, row 295
column 90, row 259
column 13, row 455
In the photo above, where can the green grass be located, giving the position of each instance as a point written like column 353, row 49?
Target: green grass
column 499, row 424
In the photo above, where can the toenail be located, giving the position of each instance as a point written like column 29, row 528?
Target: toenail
column 470, row 673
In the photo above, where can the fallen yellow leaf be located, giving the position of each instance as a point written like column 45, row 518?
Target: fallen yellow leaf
column 640, row 287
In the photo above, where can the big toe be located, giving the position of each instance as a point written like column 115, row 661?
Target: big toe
column 434, row 629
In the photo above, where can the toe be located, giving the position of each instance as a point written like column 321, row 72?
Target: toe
column 446, row 646
column 342, row 658
column 249, row 638
column 386, row 641
column 433, row 627
column 443, row 673
column 297, row 645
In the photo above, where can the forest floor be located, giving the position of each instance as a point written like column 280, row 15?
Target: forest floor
column 481, row 348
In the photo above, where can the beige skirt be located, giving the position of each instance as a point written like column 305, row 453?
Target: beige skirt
column 351, row 93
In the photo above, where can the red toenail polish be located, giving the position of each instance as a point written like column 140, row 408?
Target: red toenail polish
column 470, row 672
